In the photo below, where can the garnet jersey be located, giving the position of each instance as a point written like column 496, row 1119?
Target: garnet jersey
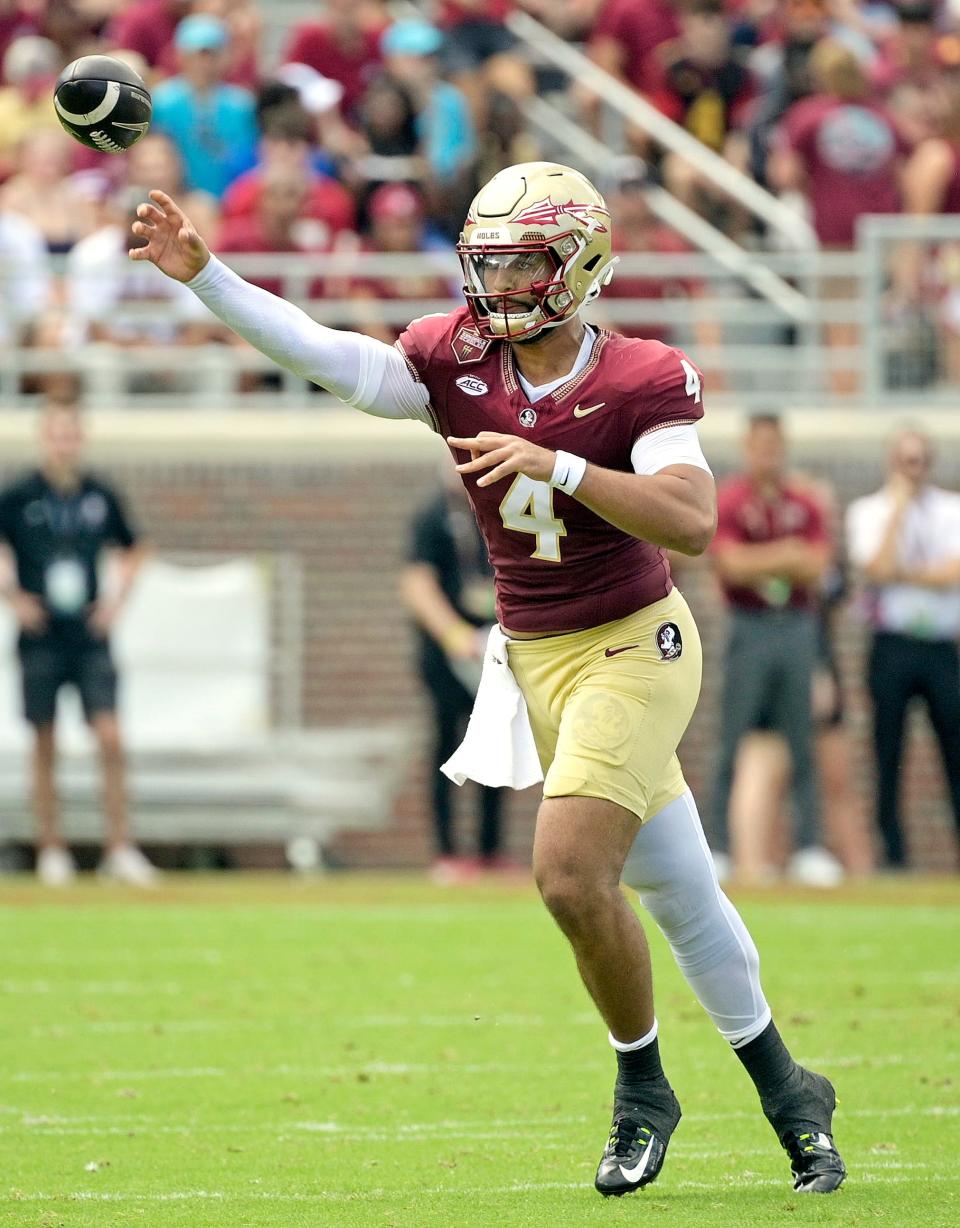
column 559, row 566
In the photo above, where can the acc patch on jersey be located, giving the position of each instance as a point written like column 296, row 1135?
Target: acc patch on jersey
column 468, row 345
column 669, row 641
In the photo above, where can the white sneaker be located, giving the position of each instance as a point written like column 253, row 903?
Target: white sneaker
column 127, row 864
column 815, row 867
column 56, row 867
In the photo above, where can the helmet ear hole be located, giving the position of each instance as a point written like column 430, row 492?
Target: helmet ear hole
column 592, row 263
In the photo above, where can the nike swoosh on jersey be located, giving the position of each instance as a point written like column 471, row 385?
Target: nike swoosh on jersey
column 634, row 1174
column 612, row 652
column 591, row 409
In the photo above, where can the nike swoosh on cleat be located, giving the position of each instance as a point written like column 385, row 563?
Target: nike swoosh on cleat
column 633, row 1175
column 612, row 652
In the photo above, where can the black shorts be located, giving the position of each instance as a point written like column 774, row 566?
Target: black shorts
column 49, row 665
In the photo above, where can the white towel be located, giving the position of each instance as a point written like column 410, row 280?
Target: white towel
column 498, row 748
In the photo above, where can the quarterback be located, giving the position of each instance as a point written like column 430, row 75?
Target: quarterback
column 580, row 456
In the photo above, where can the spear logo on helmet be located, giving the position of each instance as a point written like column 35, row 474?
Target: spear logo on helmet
column 546, row 213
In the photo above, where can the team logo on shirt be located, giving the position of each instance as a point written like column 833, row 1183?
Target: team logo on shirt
column 472, row 386
column 669, row 641
column 528, row 418
column 468, row 345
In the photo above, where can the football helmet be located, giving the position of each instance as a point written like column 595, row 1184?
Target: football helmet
column 534, row 248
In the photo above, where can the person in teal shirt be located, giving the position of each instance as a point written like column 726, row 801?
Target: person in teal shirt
column 212, row 123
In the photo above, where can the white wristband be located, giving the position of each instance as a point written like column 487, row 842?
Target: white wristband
column 568, row 471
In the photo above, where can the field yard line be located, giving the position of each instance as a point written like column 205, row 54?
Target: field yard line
column 346, row 1071
column 376, row 1195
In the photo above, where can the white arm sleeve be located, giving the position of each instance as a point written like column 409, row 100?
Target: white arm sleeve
column 362, row 372
column 668, row 445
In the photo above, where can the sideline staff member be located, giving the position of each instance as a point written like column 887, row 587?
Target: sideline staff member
column 905, row 542
column 56, row 520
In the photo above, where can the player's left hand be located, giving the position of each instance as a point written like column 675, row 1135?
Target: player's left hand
column 504, row 455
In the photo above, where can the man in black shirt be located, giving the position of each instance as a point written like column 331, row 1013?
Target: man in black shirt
column 56, row 520
column 447, row 586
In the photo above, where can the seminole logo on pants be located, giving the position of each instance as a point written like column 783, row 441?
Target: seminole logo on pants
column 669, row 641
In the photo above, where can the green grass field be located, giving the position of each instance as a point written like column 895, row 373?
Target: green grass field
column 377, row 1052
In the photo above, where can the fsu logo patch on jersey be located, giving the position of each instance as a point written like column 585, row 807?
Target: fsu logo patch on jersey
column 468, row 345
column 669, row 641
column 528, row 418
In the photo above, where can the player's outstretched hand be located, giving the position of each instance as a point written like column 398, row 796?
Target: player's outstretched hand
column 172, row 243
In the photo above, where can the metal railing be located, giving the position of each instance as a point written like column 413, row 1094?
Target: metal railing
column 857, row 345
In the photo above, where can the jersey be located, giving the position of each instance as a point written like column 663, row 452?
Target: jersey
column 558, row 566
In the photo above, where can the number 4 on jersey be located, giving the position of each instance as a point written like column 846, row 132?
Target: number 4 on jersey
column 693, row 380
column 528, row 508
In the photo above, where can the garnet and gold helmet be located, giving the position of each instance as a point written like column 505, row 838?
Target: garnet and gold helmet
column 541, row 219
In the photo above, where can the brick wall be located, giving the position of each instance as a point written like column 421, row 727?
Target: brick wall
column 345, row 518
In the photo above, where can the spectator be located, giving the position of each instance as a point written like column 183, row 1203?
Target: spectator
column 444, row 127
column 388, row 123
column 904, row 542
column 627, row 32
column 317, row 97
column 156, row 160
column 447, row 586
column 43, row 191
column 840, row 147
column 700, row 81
column 147, row 27
column 845, row 152
column 101, row 279
column 635, row 230
column 345, row 46
column 926, row 279
column 57, row 521
column 279, row 224
column 782, row 68
column 397, row 225
column 286, row 142
column 770, row 553
column 25, row 280
column 16, row 21
column 479, row 54
column 30, row 67
column 245, row 29
column 211, row 123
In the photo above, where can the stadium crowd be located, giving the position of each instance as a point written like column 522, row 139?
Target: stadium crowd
column 366, row 133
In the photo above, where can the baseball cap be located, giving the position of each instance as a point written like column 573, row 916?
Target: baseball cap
column 394, row 202
column 201, row 32
column 411, row 38
column 318, row 94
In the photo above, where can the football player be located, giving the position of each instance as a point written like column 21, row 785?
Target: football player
column 579, row 452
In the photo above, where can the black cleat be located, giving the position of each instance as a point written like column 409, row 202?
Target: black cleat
column 815, row 1162
column 634, row 1152
column 803, row 1119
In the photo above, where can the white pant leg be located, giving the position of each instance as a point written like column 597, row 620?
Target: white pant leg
column 671, row 867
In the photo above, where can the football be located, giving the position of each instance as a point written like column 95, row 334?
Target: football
column 103, row 103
